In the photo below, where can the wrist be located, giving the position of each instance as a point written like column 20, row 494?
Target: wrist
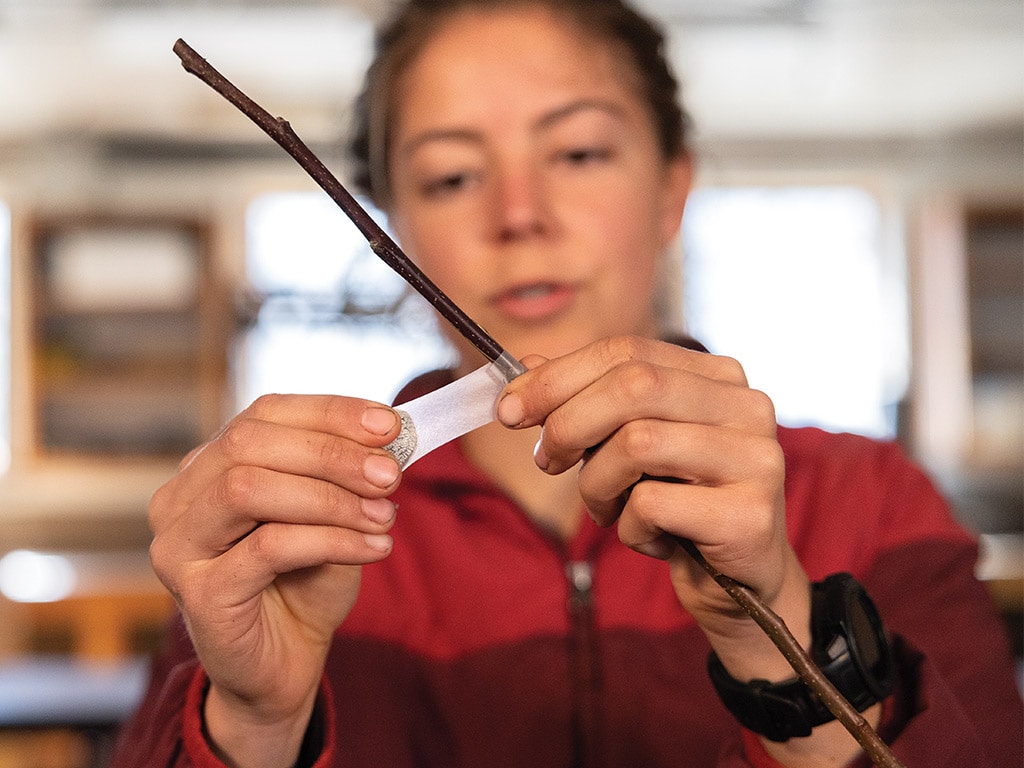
column 241, row 736
column 746, row 650
column 850, row 648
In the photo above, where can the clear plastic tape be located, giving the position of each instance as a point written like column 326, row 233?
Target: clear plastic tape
column 430, row 421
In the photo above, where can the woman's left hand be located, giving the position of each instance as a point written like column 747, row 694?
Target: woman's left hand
column 674, row 443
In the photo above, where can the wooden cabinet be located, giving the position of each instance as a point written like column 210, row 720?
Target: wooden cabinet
column 968, row 408
column 128, row 339
column 994, row 245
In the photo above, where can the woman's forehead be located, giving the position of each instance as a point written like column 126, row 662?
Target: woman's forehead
column 489, row 61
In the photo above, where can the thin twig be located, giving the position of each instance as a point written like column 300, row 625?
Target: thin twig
column 389, row 251
column 380, row 242
column 798, row 658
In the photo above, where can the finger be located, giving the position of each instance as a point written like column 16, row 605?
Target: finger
column 685, row 453
column 258, row 472
column 342, row 460
column 250, row 438
column 246, row 496
column 529, row 398
column 640, row 390
column 256, row 561
column 274, row 549
column 278, row 426
column 364, row 421
column 735, row 528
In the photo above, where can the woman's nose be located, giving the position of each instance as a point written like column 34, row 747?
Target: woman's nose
column 520, row 205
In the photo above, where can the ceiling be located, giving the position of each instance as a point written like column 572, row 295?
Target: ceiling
column 750, row 68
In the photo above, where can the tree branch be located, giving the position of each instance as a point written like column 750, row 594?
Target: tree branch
column 380, row 242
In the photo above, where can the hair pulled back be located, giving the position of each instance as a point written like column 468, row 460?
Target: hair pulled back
column 400, row 40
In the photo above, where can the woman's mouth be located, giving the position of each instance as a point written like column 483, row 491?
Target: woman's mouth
column 535, row 301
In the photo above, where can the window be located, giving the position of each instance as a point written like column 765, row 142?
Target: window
column 329, row 317
column 794, row 283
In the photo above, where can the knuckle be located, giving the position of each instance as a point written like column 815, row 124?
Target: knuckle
column 555, row 432
column 639, row 381
column 622, row 349
column 262, row 543
column 762, row 409
column 730, row 369
column 332, row 453
column 329, row 497
column 239, row 436
column 645, row 503
column 771, row 461
column 237, row 487
column 264, row 405
column 162, row 559
column 159, row 503
column 638, row 438
column 157, row 554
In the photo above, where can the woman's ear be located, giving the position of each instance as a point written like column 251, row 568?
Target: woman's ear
column 678, row 177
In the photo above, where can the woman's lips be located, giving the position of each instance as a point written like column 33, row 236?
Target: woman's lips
column 535, row 301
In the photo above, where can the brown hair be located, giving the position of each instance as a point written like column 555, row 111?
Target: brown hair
column 401, row 39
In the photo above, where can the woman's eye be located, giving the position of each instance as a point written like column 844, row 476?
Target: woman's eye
column 581, row 156
column 447, row 184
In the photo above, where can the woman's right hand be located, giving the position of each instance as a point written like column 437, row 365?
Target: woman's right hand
column 260, row 537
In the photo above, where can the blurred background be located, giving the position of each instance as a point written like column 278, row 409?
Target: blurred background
column 856, row 239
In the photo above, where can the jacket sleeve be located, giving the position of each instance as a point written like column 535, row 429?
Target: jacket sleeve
column 956, row 700
column 154, row 734
column 956, row 705
column 167, row 731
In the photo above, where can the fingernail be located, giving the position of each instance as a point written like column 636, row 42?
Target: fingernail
column 382, row 471
column 378, row 510
column 379, row 541
column 510, row 410
column 540, row 456
column 378, row 420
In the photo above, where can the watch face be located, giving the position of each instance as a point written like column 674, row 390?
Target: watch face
column 868, row 645
column 862, row 635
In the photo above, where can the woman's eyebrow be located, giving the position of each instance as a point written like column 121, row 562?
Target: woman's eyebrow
column 440, row 134
column 580, row 105
column 545, row 121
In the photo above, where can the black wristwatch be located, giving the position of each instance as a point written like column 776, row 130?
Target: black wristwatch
column 849, row 645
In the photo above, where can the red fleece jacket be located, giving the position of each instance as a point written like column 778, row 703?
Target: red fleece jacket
column 482, row 641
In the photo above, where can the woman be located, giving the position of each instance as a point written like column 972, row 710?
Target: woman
column 530, row 157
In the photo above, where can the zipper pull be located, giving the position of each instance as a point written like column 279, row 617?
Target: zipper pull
column 580, row 574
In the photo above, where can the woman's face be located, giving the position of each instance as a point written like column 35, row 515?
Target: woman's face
column 527, row 181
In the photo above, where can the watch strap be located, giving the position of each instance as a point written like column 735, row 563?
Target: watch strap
column 777, row 711
column 783, row 710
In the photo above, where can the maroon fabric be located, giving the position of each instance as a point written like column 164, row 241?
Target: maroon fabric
column 468, row 646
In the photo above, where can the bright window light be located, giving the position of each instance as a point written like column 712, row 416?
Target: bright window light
column 36, row 577
column 793, row 282
column 5, row 338
column 332, row 318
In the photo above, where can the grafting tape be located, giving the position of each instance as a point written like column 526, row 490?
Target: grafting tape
column 440, row 416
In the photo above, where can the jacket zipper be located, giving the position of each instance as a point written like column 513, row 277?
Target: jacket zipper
column 583, row 660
